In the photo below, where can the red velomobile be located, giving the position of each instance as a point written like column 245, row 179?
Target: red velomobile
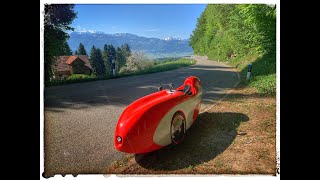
column 159, row 119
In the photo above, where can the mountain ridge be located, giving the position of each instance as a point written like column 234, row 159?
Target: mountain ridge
column 150, row 46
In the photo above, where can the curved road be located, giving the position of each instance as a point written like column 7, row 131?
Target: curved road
column 80, row 118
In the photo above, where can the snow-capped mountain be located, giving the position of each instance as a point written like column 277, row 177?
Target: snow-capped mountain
column 169, row 38
column 168, row 45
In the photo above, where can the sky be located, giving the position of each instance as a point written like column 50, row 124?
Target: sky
column 157, row 21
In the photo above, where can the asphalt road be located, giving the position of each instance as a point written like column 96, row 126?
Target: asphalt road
column 80, row 119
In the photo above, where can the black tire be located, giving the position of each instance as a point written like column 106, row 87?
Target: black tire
column 178, row 128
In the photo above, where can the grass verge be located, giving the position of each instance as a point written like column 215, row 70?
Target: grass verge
column 163, row 66
column 263, row 73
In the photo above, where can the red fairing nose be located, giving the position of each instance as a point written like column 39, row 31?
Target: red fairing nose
column 135, row 139
column 121, row 139
column 123, row 142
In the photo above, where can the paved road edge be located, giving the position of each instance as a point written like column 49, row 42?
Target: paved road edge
column 226, row 94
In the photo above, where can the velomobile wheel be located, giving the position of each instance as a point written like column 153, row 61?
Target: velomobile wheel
column 178, row 128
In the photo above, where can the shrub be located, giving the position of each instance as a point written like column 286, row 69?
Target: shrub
column 80, row 76
column 136, row 62
column 265, row 84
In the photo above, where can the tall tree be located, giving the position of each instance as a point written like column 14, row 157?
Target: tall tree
column 96, row 61
column 100, row 67
column 66, row 49
column 93, row 58
column 109, row 54
column 81, row 50
column 126, row 50
column 57, row 20
column 120, row 58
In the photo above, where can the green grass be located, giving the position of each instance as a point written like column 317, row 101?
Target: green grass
column 163, row 66
column 74, row 78
column 170, row 65
column 263, row 73
column 265, row 84
column 159, row 67
column 80, row 77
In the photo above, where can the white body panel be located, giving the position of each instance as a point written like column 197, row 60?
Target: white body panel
column 162, row 134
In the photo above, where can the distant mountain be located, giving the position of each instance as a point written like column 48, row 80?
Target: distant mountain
column 155, row 47
column 169, row 38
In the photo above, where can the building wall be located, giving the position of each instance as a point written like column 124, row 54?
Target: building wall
column 78, row 67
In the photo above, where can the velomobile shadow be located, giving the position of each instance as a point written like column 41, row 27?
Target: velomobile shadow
column 209, row 136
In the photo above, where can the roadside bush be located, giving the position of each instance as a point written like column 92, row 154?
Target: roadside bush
column 80, row 76
column 136, row 62
column 265, row 84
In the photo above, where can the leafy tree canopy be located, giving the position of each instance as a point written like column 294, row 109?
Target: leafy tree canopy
column 57, row 20
column 226, row 29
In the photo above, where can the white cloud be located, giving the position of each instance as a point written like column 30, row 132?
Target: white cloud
column 81, row 29
column 91, row 31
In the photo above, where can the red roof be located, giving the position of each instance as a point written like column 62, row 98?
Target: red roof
column 84, row 58
column 62, row 62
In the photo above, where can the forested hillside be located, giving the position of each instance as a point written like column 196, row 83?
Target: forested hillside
column 239, row 34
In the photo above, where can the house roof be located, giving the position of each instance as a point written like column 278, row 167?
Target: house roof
column 62, row 62
column 84, row 58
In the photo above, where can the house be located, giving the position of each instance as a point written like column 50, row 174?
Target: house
column 64, row 66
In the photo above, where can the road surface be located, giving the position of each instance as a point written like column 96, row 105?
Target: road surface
column 80, row 119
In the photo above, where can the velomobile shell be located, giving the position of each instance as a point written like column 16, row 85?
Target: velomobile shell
column 144, row 125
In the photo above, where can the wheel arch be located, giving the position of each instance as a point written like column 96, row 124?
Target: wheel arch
column 182, row 114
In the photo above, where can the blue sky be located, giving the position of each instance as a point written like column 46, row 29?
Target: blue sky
column 176, row 20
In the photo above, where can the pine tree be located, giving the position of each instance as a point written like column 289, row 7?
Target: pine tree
column 120, row 58
column 126, row 50
column 66, row 49
column 81, row 50
column 93, row 58
column 109, row 54
column 76, row 52
column 100, row 67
